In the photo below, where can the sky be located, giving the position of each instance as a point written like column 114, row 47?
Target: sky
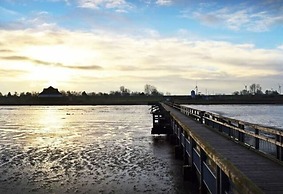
column 99, row 45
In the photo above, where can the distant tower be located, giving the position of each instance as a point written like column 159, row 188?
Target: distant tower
column 279, row 88
column 196, row 88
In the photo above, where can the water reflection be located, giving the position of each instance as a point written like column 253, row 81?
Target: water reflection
column 50, row 128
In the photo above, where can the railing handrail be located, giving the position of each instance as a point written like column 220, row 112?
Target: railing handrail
column 236, row 127
column 268, row 129
column 273, row 130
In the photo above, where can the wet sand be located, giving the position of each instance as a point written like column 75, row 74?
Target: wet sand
column 94, row 155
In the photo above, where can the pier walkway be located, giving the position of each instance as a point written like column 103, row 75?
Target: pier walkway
column 222, row 165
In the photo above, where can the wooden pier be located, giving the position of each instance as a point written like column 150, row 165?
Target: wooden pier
column 222, row 154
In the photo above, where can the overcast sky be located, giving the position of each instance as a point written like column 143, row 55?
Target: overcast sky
column 100, row 45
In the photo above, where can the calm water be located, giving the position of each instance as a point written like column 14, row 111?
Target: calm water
column 84, row 149
column 267, row 115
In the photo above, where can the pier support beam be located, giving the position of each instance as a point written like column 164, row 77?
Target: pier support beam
column 187, row 173
column 173, row 139
column 178, row 152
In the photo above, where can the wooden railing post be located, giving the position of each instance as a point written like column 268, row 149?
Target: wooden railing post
column 279, row 149
column 202, row 160
column 201, row 114
column 241, row 136
column 256, row 139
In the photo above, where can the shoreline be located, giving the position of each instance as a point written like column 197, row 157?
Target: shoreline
column 140, row 100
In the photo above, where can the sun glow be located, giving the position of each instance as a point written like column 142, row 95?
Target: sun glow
column 67, row 55
column 49, row 75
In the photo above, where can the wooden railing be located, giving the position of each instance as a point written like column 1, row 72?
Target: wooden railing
column 267, row 140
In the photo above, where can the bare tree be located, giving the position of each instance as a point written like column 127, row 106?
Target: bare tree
column 255, row 89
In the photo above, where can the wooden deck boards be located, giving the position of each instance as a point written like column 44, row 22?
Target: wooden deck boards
column 262, row 171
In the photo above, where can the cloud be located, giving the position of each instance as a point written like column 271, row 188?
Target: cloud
column 92, row 67
column 4, row 73
column 9, row 12
column 242, row 17
column 5, row 51
column 164, row 2
column 107, row 56
column 40, row 20
column 118, row 5
column 35, row 61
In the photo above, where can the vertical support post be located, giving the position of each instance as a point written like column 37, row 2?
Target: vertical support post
column 213, row 119
column 256, row 139
column 193, row 143
column 187, row 167
column 201, row 114
column 241, row 136
column 279, row 149
column 223, row 184
column 202, row 185
column 185, row 157
column 229, row 132
column 218, row 180
column 173, row 137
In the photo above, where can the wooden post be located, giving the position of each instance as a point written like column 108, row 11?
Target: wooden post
column 179, row 152
column 241, row 136
column 229, row 129
column 218, row 180
column 256, row 139
column 187, row 172
column 222, row 182
column 202, row 185
column 279, row 149
column 201, row 114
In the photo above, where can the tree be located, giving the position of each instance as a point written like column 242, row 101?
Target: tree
column 151, row 90
column 236, row 93
column 124, row 91
column 244, row 92
column 271, row 92
column 255, row 89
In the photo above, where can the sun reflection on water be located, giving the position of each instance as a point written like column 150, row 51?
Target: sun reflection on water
column 51, row 128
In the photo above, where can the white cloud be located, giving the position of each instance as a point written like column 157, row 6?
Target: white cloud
column 238, row 18
column 6, row 11
column 164, row 2
column 118, row 5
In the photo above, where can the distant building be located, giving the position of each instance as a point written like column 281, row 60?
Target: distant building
column 193, row 94
column 50, row 93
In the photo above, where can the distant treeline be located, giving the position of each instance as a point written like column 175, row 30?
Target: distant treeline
column 150, row 95
column 256, row 89
column 123, row 96
column 149, row 90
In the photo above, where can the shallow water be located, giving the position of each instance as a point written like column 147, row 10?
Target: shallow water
column 266, row 115
column 84, row 149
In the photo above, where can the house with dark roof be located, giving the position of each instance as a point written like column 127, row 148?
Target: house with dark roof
column 50, row 92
